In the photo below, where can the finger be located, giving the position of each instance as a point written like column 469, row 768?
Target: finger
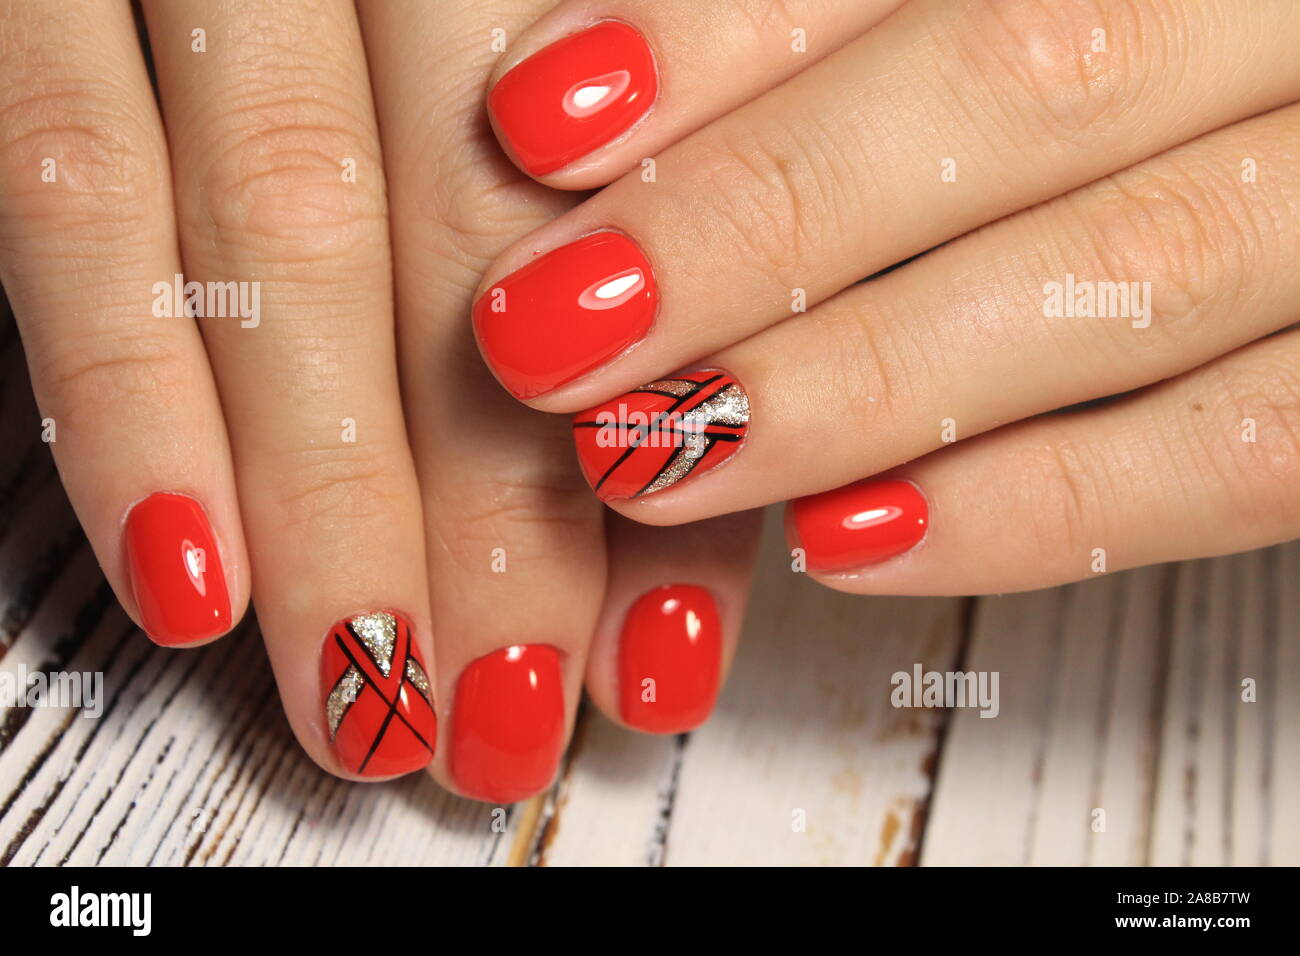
column 1190, row 260
column 515, row 543
column 589, row 90
column 266, row 122
column 780, row 204
column 674, row 607
column 86, row 239
column 1207, row 463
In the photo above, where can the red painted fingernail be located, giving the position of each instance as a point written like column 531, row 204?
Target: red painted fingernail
column 508, row 724
column 859, row 524
column 659, row 434
column 574, row 96
column 378, row 703
column 566, row 313
column 670, row 658
column 176, row 574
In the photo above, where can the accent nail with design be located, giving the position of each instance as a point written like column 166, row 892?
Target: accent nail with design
column 177, row 578
column 566, row 313
column 379, row 709
column 574, row 96
column 656, row 436
column 670, row 659
column 858, row 525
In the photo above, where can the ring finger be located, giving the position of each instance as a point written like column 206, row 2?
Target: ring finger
column 280, row 189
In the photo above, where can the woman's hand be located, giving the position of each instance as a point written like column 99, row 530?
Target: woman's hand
column 1109, row 191
column 262, row 445
column 265, row 448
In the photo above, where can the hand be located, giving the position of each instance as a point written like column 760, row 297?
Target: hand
column 279, row 422
column 1144, row 153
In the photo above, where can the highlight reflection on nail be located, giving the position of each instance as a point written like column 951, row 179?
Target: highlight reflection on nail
column 566, row 313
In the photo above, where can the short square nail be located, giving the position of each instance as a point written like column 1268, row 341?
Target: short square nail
column 566, row 313
column 860, row 524
column 507, row 728
column 661, row 434
column 379, row 709
column 670, row 659
column 574, row 96
column 177, row 579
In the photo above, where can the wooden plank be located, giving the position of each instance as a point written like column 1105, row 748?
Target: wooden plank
column 1124, row 695
column 1283, row 700
column 613, row 801
column 1078, row 693
column 1225, row 791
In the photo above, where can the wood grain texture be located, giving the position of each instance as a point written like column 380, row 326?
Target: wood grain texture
column 1121, row 694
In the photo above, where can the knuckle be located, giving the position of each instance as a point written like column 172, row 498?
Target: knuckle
column 1045, row 48
column 107, row 164
column 342, row 482
column 1059, row 491
column 1183, row 225
column 760, row 195
column 473, row 213
column 869, row 375
column 1192, row 238
column 1255, row 448
column 112, row 369
column 766, row 19
column 540, row 512
column 275, row 179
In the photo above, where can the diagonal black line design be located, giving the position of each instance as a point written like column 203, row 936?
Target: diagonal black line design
column 634, row 444
column 391, row 702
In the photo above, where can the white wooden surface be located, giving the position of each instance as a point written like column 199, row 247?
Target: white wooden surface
column 1121, row 694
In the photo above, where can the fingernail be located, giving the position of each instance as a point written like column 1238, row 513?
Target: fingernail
column 658, row 435
column 574, row 96
column 566, row 313
column 508, row 723
column 175, row 567
column 860, row 524
column 378, row 703
column 670, row 659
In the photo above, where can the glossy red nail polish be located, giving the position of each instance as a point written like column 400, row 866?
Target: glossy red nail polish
column 574, row 96
column 566, row 313
column 508, row 723
column 660, row 434
column 176, row 574
column 378, row 702
column 670, row 659
column 860, row 524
